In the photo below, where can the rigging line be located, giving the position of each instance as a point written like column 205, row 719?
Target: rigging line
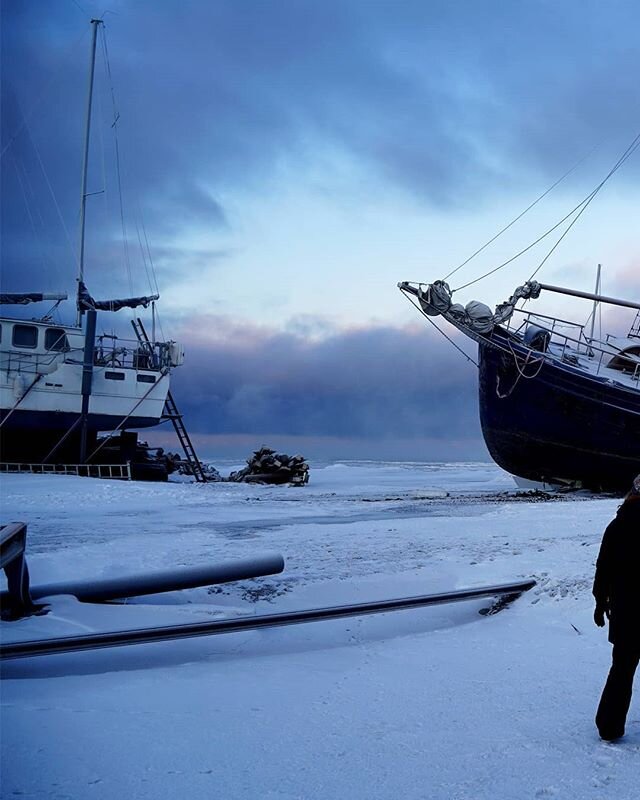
column 523, row 251
column 106, row 196
column 144, row 257
column 37, row 219
column 146, row 239
column 44, row 93
column 142, row 249
column 116, row 117
column 448, row 338
column 53, row 194
column 528, row 208
column 584, row 202
column 159, row 324
column 28, row 192
column 625, row 156
column 28, row 207
column 80, row 8
column 31, row 194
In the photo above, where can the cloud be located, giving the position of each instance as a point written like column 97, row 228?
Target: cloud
column 376, row 384
column 626, row 280
column 449, row 103
column 438, row 97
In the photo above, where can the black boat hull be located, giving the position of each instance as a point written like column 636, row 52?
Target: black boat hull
column 554, row 422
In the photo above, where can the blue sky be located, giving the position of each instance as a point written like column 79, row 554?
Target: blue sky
column 292, row 161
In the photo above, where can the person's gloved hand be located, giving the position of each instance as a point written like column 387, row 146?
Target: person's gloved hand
column 602, row 610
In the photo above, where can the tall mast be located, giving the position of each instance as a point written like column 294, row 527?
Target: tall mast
column 595, row 302
column 85, row 161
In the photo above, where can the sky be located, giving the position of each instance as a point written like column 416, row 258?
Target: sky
column 289, row 162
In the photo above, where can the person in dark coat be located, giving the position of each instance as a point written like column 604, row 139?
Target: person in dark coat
column 616, row 589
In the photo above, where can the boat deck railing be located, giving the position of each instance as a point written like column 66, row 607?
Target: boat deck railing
column 567, row 348
column 19, row 361
column 115, row 471
column 110, row 351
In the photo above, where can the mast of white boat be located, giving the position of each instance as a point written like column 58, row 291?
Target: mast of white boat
column 90, row 330
column 85, row 163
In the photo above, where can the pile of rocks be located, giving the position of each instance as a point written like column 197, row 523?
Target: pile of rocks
column 210, row 473
column 267, row 466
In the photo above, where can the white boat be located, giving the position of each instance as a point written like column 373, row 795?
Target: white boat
column 61, row 384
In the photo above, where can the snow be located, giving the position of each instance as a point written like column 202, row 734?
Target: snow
column 440, row 702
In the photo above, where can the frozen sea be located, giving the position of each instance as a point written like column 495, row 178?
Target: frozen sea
column 434, row 703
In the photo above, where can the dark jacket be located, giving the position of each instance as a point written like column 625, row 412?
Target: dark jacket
column 617, row 580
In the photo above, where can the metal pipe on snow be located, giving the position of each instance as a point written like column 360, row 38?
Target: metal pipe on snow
column 166, row 581
column 66, row 644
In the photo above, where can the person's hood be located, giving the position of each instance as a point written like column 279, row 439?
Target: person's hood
column 630, row 509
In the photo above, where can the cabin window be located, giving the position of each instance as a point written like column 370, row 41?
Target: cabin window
column 25, row 336
column 56, row 339
column 114, row 376
column 146, row 378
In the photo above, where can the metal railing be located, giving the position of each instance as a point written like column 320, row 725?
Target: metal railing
column 115, row 471
column 567, row 348
column 110, row 351
column 19, row 361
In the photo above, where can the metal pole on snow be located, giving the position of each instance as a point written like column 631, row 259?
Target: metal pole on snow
column 93, row 641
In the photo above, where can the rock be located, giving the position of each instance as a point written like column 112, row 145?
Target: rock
column 267, row 466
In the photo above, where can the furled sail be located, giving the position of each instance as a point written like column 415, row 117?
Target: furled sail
column 86, row 302
column 23, row 298
column 435, row 300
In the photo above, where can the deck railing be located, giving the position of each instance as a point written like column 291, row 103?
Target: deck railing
column 568, row 347
column 110, row 351
column 115, row 471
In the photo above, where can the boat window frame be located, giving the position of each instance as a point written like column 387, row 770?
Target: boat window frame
column 63, row 336
column 21, row 325
column 142, row 378
column 114, row 376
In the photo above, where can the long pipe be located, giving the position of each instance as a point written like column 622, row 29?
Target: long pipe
column 92, row 641
column 595, row 302
column 599, row 298
column 85, row 161
column 165, row 581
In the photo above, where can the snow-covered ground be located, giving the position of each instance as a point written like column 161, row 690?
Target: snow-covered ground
column 441, row 702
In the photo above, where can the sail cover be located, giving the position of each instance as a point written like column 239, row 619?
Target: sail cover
column 86, row 302
column 435, row 300
column 23, row 298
